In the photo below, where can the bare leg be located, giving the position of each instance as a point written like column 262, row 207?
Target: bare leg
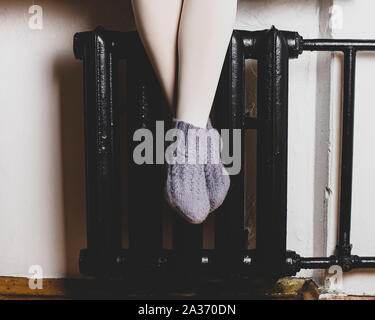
column 157, row 24
column 205, row 30
column 193, row 190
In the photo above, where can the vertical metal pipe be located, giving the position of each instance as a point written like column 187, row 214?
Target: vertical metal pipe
column 230, row 234
column 273, row 63
column 101, row 116
column 145, row 183
column 347, row 152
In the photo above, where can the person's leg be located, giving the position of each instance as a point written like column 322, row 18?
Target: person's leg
column 201, row 61
column 157, row 24
column 205, row 30
column 204, row 34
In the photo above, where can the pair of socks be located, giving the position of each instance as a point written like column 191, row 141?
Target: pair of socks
column 197, row 182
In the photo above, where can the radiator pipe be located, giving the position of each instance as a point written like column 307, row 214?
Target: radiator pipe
column 344, row 247
column 337, row 45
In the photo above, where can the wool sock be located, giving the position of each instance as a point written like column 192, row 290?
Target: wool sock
column 185, row 188
column 218, row 181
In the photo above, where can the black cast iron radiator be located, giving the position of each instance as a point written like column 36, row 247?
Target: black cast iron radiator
column 101, row 52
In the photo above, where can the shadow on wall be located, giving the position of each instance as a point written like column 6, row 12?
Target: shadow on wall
column 68, row 74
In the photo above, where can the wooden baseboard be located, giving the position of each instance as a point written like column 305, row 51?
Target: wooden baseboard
column 51, row 287
column 18, row 288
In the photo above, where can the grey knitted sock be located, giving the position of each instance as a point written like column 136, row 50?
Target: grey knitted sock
column 185, row 188
column 218, row 183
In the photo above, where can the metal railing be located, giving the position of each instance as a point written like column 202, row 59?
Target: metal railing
column 101, row 52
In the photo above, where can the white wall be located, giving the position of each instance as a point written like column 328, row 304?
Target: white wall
column 42, row 207
column 358, row 23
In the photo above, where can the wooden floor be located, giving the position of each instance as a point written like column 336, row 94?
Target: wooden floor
column 68, row 289
column 78, row 289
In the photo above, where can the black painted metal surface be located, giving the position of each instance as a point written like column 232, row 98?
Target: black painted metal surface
column 344, row 246
column 101, row 116
column 144, row 181
column 230, row 234
column 101, row 51
column 273, row 67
